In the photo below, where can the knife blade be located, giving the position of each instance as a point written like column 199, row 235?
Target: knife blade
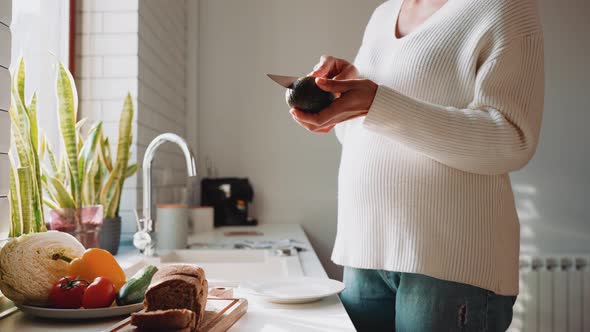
column 284, row 81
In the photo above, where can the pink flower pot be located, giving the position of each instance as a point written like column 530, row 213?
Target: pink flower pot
column 84, row 223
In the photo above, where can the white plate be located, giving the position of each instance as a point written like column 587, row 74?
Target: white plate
column 80, row 313
column 294, row 290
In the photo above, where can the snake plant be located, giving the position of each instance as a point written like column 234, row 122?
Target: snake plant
column 26, row 207
column 85, row 174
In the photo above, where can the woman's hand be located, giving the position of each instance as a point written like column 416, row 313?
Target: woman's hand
column 334, row 68
column 356, row 97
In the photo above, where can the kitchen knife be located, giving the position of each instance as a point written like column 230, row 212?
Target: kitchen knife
column 285, row 81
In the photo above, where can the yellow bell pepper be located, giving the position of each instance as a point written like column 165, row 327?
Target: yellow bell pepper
column 95, row 263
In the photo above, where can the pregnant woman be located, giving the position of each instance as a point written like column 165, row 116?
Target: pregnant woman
column 444, row 99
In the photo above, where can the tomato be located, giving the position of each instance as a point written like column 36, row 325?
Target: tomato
column 99, row 294
column 67, row 293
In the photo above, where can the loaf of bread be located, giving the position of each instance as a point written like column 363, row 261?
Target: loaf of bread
column 178, row 286
column 165, row 320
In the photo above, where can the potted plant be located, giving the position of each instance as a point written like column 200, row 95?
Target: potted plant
column 83, row 191
column 26, row 207
column 29, row 243
column 114, row 173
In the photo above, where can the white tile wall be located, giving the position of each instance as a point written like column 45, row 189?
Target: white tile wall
column 120, row 66
column 108, row 44
column 107, row 5
column 4, row 217
column 107, row 88
column 4, row 39
column 89, row 66
column 5, row 12
column 4, row 89
column 120, row 22
column 4, row 131
column 4, row 175
column 89, row 23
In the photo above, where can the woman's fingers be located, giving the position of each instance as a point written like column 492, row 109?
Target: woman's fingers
column 328, row 116
column 349, row 72
column 337, row 86
column 334, row 68
column 324, row 67
column 323, row 130
column 317, row 124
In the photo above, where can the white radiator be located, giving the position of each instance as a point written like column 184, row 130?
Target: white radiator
column 554, row 295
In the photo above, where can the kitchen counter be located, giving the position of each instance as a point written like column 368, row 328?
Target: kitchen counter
column 325, row 315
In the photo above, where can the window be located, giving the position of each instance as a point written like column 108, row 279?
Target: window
column 40, row 34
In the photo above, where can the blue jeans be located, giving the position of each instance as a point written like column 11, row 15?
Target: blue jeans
column 378, row 300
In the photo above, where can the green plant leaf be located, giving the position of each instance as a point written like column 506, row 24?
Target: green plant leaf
column 113, row 206
column 19, row 129
column 110, row 196
column 22, row 137
column 131, row 170
column 14, row 202
column 51, row 204
column 62, row 196
column 87, row 154
column 51, row 157
column 62, row 170
column 18, row 83
column 67, row 109
column 32, row 112
column 39, row 221
column 81, row 124
column 105, row 155
column 24, row 176
column 42, row 148
column 98, row 179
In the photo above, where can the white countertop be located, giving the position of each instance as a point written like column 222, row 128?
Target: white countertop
column 325, row 315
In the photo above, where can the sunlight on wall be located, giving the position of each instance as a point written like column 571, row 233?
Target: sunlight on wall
column 527, row 213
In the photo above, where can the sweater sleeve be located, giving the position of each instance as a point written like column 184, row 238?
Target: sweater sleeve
column 496, row 133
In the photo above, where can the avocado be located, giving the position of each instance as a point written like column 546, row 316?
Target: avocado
column 307, row 97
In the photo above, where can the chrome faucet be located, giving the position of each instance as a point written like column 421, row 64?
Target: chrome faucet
column 143, row 239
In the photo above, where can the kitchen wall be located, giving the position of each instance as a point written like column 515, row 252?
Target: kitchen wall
column 5, row 18
column 162, row 91
column 245, row 128
column 553, row 190
column 246, row 131
column 140, row 47
column 106, row 69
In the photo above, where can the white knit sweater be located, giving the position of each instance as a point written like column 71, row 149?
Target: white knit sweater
column 423, row 183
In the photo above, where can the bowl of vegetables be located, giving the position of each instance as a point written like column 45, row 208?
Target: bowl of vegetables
column 95, row 287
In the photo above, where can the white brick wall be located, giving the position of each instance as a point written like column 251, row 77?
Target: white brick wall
column 5, row 41
column 120, row 22
column 120, row 66
column 136, row 46
column 106, row 5
column 107, row 44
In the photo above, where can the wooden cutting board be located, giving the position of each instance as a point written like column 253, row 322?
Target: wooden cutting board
column 220, row 315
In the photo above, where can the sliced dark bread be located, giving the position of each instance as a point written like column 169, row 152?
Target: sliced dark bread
column 178, row 286
column 164, row 320
column 189, row 270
